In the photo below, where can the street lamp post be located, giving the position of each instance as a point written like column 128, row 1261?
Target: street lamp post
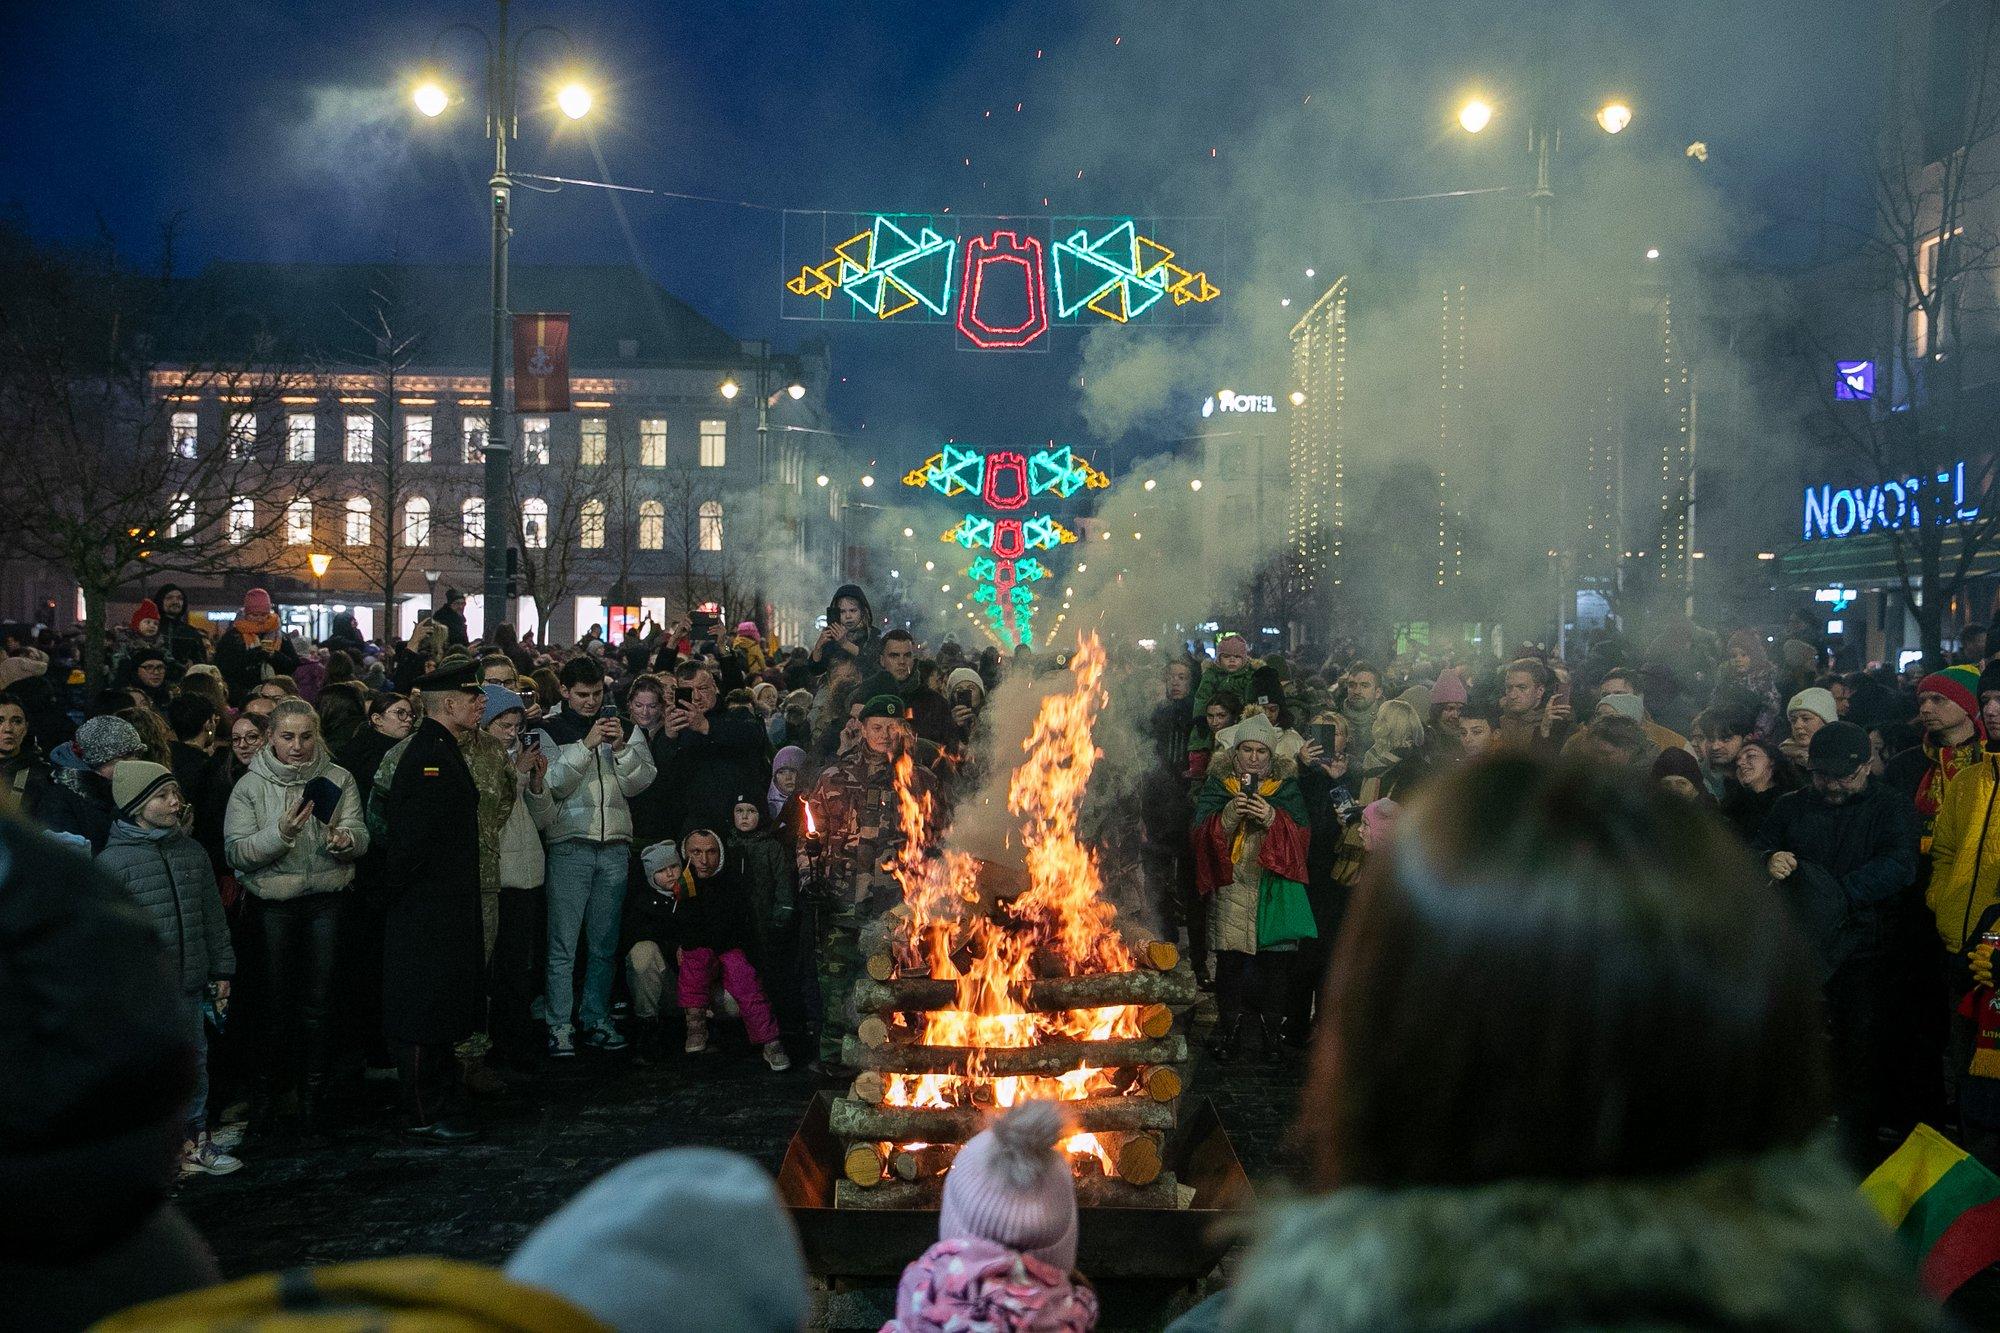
column 319, row 560
column 502, row 123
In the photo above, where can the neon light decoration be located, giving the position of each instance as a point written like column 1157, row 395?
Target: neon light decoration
column 991, row 277
column 1006, row 481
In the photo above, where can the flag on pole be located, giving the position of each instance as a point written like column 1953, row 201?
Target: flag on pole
column 1944, row 1206
column 541, row 362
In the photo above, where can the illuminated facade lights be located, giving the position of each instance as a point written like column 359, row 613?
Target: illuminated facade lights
column 1315, row 516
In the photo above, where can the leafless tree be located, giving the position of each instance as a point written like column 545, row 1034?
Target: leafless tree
column 701, row 563
column 1927, row 258
column 577, row 498
column 95, row 360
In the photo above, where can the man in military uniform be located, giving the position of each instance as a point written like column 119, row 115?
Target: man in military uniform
column 854, row 804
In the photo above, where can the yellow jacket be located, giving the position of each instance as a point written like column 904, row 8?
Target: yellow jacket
column 1965, row 842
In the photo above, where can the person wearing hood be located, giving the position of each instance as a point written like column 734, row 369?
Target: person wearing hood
column 1250, row 843
column 749, row 641
column 78, row 803
column 850, row 632
column 714, row 925
column 693, row 1238
column 1230, row 673
column 184, row 641
column 252, row 648
column 293, row 831
column 1673, row 1104
column 146, row 669
column 1448, row 700
column 452, row 616
column 168, row 875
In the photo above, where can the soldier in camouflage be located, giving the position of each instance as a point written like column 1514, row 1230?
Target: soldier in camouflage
column 854, row 802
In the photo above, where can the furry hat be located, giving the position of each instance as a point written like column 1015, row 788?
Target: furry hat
column 1009, row 1185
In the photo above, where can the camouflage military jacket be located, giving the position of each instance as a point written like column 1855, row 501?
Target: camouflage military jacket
column 854, row 805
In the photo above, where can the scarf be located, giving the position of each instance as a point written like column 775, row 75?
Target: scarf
column 1234, row 786
column 253, row 628
column 1946, row 763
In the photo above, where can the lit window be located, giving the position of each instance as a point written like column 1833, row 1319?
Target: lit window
column 242, row 518
column 301, row 437
column 535, row 440
column 417, row 522
column 653, row 442
column 652, row 525
column 299, row 522
column 180, row 516
column 714, row 443
column 416, row 439
column 1931, row 256
column 590, row 447
column 360, row 438
column 474, row 435
column 472, row 521
column 535, row 524
column 591, row 527
column 360, row 521
column 184, row 430
column 711, row 525
column 242, row 434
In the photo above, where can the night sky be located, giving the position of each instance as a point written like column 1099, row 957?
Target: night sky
column 283, row 131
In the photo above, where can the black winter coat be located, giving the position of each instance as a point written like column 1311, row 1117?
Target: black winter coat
column 75, row 801
column 701, row 774
column 431, row 956
column 1857, row 862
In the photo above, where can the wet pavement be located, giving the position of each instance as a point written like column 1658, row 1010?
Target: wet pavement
column 372, row 1194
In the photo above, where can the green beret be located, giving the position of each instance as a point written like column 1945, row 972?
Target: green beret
column 883, row 705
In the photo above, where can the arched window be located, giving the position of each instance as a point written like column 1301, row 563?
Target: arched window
column 534, row 524
column 299, row 522
column 360, row 521
column 591, row 528
column 472, row 521
column 711, row 525
column 652, row 525
column 417, row 522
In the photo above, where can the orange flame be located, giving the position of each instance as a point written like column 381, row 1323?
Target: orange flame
column 1060, row 922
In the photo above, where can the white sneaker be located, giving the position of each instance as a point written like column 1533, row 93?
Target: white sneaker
column 697, row 1024
column 774, row 1056
column 228, row 1138
column 202, row 1159
column 562, row 1040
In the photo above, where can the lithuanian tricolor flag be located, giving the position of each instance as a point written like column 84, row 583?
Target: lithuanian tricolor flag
column 1944, row 1206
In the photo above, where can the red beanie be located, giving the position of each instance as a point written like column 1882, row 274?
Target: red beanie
column 1960, row 684
column 146, row 611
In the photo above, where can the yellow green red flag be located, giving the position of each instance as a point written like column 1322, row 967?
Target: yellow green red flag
column 1944, row 1206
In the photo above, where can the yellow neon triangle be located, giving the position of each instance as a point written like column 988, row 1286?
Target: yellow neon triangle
column 910, row 298
column 1141, row 245
column 1119, row 312
column 866, row 240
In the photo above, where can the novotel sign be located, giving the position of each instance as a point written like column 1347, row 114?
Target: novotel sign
column 1832, row 512
column 1225, row 400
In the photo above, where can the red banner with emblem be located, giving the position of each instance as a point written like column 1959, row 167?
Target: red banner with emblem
column 541, row 362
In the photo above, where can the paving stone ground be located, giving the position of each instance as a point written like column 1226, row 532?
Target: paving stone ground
column 372, row 1194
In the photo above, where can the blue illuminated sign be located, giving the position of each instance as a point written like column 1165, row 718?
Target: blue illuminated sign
column 1832, row 512
column 1856, row 380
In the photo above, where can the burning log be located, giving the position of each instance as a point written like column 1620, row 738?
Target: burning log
column 1049, row 1058
column 869, row 1086
column 1161, row 954
column 921, row 1162
column 1165, row 1191
column 850, row 1119
column 1096, row 990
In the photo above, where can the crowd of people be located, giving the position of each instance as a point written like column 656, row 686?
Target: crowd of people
column 1668, row 876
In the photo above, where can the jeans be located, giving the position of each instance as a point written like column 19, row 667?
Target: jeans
column 196, row 1030
column 301, row 941
column 586, row 884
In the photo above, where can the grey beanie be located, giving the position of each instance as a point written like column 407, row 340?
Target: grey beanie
column 659, row 856
column 686, row 1238
column 106, row 740
column 1623, row 705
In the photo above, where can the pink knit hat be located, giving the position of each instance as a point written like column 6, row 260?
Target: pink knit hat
column 1008, row 1185
column 257, row 602
column 1449, row 689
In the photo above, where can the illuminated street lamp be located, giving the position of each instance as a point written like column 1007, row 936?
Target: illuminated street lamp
column 729, row 388
column 503, row 118
column 1298, row 398
column 319, row 560
column 1475, row 115
column 1613, row 117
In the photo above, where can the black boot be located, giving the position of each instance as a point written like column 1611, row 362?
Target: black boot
column 1227, row 1039
column 316, row 1119
column 1274, row 1054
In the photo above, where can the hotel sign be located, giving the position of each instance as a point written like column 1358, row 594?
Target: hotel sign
column 1833, row 512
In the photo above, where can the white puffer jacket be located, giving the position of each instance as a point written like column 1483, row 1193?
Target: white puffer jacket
column 590, row 785
column 272, row 866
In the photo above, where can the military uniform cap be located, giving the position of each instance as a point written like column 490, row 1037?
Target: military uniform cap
column 882, row 705
column 459, row 675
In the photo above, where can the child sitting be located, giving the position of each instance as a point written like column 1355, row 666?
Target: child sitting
column 713, row 926
column 1006, row 1238
column 168, row 874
